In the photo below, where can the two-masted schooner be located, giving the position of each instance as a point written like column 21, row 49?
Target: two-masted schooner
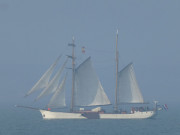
column 88, row 91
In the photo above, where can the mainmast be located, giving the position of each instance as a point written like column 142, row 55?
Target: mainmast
column 117, row 62
column 73, row 71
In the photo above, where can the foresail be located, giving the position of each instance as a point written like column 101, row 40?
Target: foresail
column 53, row 84
column 43, row 82
column 88, row 89
column 128, row 90
column 58, row 99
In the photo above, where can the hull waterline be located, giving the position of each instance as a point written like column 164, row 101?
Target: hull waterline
column 66, row 115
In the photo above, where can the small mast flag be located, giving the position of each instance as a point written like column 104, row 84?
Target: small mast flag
column 165, row 107
column 83, row 49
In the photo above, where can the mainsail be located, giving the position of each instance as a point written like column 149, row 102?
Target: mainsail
column 53, row 84
column 128, row 90
column 58, row 99
column 88, row 89
column 44, row 80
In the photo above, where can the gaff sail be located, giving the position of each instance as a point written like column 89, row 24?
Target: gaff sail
column 128, row 89
column 88, row 89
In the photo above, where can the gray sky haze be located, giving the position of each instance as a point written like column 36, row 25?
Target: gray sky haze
column 33, row 33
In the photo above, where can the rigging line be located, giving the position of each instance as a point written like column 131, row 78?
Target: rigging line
column 105, row 67
column 102, row 51
column 28, row 107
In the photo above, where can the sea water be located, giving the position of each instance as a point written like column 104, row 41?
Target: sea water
column 19, row 121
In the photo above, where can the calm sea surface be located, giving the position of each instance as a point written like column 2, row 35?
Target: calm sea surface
column 19, row 121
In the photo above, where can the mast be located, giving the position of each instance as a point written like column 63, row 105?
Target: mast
column 73, row 71
column 117, row 62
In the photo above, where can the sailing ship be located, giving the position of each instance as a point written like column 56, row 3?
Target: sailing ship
column 87, row 91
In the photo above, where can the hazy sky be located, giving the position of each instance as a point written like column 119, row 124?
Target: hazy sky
column 34, row 32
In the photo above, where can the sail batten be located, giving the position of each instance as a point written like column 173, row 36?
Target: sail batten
column 44, row 80
column 88, row 89
column 128, row 89
column 53, row 84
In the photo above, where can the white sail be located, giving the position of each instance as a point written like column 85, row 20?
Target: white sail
column 43, row 82
column 53, row 84
column 58, row 99
column 128, row 90
column 88, row 89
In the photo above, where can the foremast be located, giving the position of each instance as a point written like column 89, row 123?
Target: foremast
column 73, row 74
column 117, row 63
